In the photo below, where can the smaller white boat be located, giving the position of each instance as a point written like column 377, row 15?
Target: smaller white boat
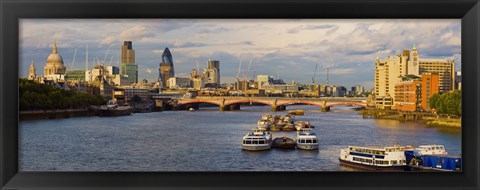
column 307, row 139
column 263, row 124
column 299, row 125
column 191, row 109
column 266, row 116
column 302, row 124
column 289, row 119
column 430, row 150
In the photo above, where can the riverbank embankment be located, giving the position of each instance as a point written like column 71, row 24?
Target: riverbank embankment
column 431, row 119
column 55, row 114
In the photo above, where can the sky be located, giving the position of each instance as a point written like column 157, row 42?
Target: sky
column 287, row 48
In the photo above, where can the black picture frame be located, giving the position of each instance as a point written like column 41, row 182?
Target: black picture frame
column 11, row 11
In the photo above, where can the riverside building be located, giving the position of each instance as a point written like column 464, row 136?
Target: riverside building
column 414, row 94
column 390, row 71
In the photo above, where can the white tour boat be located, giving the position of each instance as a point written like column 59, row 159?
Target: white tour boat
column 374, row 158
column 257, row 140
column 307, row 139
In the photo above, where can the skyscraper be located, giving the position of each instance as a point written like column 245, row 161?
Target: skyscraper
column 212, row 74
column 129, row 68
column 166, row 70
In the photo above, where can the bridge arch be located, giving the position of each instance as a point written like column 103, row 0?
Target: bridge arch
column 299, row 102
column 198, row 101
column 233, row 102
column 346, row 103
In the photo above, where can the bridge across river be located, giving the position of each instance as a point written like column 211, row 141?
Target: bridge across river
column 277, row 103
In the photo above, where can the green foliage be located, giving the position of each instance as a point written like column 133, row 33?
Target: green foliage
column 447, row 103
column 35, row 96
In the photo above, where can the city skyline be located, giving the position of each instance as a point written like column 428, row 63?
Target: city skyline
column 347, row 47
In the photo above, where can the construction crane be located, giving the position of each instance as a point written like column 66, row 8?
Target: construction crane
column 111, row 59
column 73, row 61
column 314, row 74
column 239, row 67
column 105, row 58
column 248, row 68
column 246, row 74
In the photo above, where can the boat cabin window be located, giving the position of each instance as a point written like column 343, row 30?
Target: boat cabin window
column 314, row 140
column 394, row 162
column 309, row 141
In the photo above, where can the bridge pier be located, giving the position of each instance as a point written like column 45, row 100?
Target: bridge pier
column 232, row 107
column 325, row 109
column 278, row 108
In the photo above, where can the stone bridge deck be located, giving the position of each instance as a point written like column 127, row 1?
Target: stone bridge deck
column 275, row 102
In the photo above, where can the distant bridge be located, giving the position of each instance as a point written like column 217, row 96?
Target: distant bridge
column 277, row 103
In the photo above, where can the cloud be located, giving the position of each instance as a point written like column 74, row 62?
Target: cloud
column 214, row 30
column 310, row 27
column 108, row 40
column 347, row 47
column 136, row 33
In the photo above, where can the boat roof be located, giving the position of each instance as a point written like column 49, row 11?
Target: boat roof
column 376, row 147
column 430, row 145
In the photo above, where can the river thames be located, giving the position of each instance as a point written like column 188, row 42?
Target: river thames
column 208, row 140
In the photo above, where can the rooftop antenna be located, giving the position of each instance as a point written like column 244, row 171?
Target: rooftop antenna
column 73, row 61
column 278, row 75
column 314, row 74
column 198, row 69
column 327, row 76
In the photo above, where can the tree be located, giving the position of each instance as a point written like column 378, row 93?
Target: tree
column 34, row 95
column 447, row 103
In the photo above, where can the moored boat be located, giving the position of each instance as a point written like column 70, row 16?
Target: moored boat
column 307, row 139
column 303, row 124
column 112, row 109
column 283, row 142
column 296, row 112
column 288, row 127
column 266, row 116
column 432, row 158
column 274, row 127
column 263, row 124
column 289, row 119
column 257, row 140
column 390, row 158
